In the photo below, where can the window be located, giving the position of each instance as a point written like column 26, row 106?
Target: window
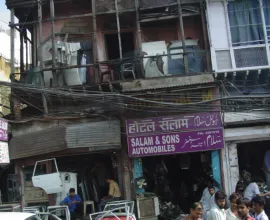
column 246, row 22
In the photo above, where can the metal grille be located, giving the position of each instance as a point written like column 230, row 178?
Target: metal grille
column 223, row 59
column 103, row 135
column 248, row 57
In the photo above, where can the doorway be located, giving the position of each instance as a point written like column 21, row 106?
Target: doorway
column 112, row 44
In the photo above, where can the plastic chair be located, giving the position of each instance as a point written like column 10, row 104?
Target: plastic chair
column 128, row 68
column 105, row 69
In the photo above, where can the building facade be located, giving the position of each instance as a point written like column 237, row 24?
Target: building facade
column 136, row 89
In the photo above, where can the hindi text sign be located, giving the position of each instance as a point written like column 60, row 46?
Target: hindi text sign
column 174, row 134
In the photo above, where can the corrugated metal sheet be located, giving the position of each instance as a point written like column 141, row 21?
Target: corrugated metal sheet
column 166, row 82
column 102, row 135
column 37, row 143
column 96, row 136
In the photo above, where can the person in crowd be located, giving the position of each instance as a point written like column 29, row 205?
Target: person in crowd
column 267, row 168
column 196, row 211
column 240, row 188
column 253, row 190
column 243, row 208
column 209, row 202
column 114, row 193
column 71, row 201
column 217, row 212
column 258, row 207
column 206, row 195
column 231, row 213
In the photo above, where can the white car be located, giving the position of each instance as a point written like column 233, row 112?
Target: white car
column 25, row 216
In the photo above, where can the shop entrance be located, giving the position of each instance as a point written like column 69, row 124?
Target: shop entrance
column 251, row 157
column 180, row 178
column 85, row 173
column 91, row 172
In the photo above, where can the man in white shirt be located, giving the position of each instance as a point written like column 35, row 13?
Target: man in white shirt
column 206, row 196
column 258, row 207
column 253, row 190
column 209, row 201
column 217, row 212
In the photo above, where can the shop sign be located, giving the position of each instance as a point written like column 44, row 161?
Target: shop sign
column 174, row 134
column 4, row 153
column 3, row 130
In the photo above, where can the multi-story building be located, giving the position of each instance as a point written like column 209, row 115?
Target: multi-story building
column 239, row 43
column 111, row 82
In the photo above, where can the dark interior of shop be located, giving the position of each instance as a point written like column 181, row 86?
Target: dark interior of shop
column 179, row 179
column 251, row 157
column 91, row 172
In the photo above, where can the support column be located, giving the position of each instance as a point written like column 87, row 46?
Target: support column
column 53, row 43
column 21, row 50
column 139, row 35
column 12, row 42
column 230, row 167
column 44, row 101
column 180, row 17
column 16, row 105
column 118, row 29
column 94, row 43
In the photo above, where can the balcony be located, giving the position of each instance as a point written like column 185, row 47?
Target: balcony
column 74, row 64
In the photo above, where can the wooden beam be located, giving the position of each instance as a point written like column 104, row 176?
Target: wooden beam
column 94, row 41
column 139, row 34
column 180, row 16
column 118, row 28
column 44, row 100
column 53, row 43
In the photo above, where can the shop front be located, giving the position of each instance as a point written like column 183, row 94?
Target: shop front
column 50, row 158
column 244, row 153
column 173, row 156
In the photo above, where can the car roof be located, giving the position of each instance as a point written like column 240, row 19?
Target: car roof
column 15, row 215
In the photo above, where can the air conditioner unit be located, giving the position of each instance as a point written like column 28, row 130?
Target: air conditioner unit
column 147, row 207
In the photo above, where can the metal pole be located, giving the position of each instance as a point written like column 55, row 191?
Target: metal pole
column 12, row 43
column 40, row 33
column 44, row 101
column 205, row 38
column 180, row 16
column 94, row 42
column 26, row 50
column 118, row 29
column 53, row 43
column 22, row 51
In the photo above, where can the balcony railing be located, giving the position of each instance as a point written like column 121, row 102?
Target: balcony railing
column 74, row 65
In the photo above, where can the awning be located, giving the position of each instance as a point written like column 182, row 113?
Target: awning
column 96, row 136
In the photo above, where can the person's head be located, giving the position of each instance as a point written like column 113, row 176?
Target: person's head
column 243, row 206
column 258, row 204
column 257, row 179
column 211, row 190
column 71, row 191
column 233, row 198
column 196, row 210
column 209, row 182
column 108, row 179
column 220, row 199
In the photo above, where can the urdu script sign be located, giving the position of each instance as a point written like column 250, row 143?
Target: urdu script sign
column 174, row 134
